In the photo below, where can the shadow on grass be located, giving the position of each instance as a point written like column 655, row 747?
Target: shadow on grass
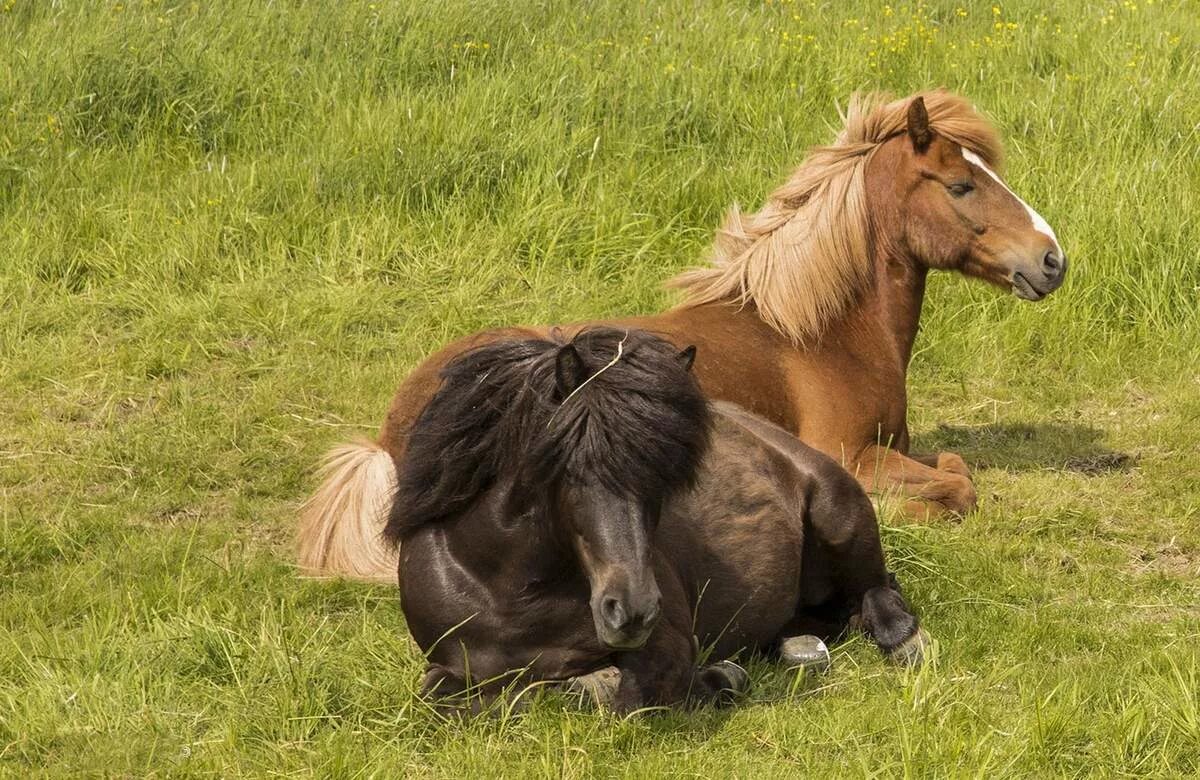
column 1028, row 447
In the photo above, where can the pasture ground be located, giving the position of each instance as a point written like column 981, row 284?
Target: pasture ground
column 228, row 229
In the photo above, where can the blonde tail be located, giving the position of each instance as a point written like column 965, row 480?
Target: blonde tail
column 341, row 525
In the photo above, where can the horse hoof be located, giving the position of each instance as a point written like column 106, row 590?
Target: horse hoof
column 805, row 651
column 600, row 686
column 911, row 652
column 728, row 680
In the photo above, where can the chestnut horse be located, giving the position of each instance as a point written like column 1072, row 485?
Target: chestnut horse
column 806, row 317
column 570, row 506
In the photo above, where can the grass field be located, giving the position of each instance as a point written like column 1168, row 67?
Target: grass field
column 228, row 229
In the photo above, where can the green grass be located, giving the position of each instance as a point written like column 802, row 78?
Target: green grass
column 228, row 229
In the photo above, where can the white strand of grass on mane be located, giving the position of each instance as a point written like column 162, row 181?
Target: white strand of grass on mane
column 803, row 257
column 584, row 383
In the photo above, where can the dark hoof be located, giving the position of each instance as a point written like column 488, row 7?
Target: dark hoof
column 805, row 651
column 727, row 680
column 912, row 651
column 599, row 687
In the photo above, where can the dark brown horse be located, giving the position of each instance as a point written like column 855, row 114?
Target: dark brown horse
column 567, row 506
column 807, row 316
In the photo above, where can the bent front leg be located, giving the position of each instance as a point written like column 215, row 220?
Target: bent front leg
column 843, row 555
column 664, row 673
column 452, row 693
column 844, row 562
column 925, row 491
column 887, row 619
column 944, row 461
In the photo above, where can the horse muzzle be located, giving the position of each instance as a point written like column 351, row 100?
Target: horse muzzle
column 1036, row 280
column 623, row 623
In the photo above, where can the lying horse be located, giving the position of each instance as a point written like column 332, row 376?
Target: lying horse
column 807, row 317
column 570, row 506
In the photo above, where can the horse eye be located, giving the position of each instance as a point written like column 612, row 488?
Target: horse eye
column 960, row 188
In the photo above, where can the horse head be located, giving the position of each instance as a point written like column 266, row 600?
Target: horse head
column 635, row 450
column 952, row 211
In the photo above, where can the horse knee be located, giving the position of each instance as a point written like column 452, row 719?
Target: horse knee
column 453, row 695
column 953, row 463
column 887, row 620
column 441, row 683
column 953, row 493
column 721, row 683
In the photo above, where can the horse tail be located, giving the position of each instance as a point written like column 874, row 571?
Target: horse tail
column 341, row 525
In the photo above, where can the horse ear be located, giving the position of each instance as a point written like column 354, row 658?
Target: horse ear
column 918, row 125
column 688, row 357
column 569, row 372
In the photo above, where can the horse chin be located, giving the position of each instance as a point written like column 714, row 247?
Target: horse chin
column 1026, row 291
column 621, row 641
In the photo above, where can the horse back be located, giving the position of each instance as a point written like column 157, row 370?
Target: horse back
column 816, row 473
column 423, row 381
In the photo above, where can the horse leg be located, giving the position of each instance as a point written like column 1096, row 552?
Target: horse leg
column 883, row 615
column 927, row 491
column 886, row 618
column 843, row 560
column 453, row 694
column 450, row 691
column 664, row 673
column 944, row 461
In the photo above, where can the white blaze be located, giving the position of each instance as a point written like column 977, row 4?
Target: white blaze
column 1039, row 224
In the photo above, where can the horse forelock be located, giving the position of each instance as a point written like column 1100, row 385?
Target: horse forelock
column 804, row 256
column 639, row 427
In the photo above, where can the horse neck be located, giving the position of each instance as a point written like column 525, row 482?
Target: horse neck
column 889, row 309
column 901, row 288
column 521, row 529
column 886, row 312
column 527, row 529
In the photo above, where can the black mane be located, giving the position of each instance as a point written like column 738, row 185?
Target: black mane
column 638, row 426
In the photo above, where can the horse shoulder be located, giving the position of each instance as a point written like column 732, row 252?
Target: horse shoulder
column 742, row 505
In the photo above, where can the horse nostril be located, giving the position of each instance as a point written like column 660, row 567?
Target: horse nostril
column 1051, row 264
column 612, row 612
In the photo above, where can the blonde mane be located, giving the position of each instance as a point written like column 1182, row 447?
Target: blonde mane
column 803, row 257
